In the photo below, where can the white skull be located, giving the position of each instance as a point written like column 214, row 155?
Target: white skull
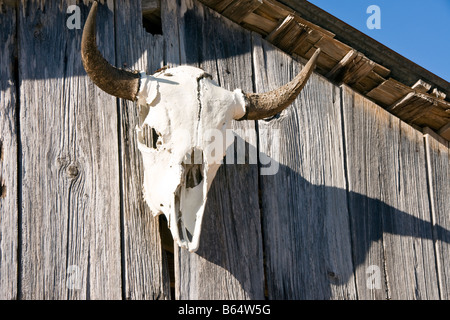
column 182, row 144
column 185, row 118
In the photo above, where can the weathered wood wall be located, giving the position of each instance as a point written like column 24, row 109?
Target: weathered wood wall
column 358, row 207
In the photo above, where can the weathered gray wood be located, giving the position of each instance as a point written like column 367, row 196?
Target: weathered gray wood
column 8, row 158
column 388, row 202
column 438, row 161
column 228, row 264
column 150, row 6
column 365, row 139
column 145, row 267
column 70, row 167
column 169, row 21
column 304, row 202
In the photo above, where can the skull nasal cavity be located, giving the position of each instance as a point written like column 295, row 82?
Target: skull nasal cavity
column 150, row 137
column 193, row 166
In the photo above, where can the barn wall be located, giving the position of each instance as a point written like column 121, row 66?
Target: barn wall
column 356, row 208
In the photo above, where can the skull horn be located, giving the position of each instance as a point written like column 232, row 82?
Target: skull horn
column 114, row 81
column 265, row 105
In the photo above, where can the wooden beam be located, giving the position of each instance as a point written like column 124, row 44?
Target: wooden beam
column 150, row 6
column 338, row 68
column 438, row 94
column 238, row 10
column 421, row 86
column 445, row 131
column 9, row 171
column 389, row 92
column 71, row 224
column 307, row 218
column 289, row 34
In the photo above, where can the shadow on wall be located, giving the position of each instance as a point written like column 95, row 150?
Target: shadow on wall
column 311, row 249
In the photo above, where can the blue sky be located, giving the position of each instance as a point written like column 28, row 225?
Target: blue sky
column 417, row 29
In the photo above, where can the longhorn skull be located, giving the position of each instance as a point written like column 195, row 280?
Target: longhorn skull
column 186, row 111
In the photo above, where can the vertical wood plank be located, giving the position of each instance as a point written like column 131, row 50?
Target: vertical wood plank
column 169, row 20
column 438, row 161
column 389, row 204
column 304, row 202
column 70, row 187
column 8, row 158
column 365, row 137
column 145, row 266
column 228, row 263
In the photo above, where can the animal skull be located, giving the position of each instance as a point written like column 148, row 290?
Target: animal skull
column 186, row 117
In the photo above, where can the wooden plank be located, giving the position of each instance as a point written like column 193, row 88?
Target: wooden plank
column 272, row 10
column 389, row 92
column 303, row 202
column 150, row 6
column 438, row 163
column 217, row 5
column 169, row 20
column 145, row 271
column 369, row 82
column 9, row 172
column 421, row 86
column 70, row 228
column 381, row 70
column 411, row 263
column 338, row 68
column 388, row 201
column 412, row 106
column 334, row 48
column 229, row 261
column 324, row 62
column 436, row 115
column 445, row 131
column 438, row 94
column 239, row 9
column 365, row 209
column 259, row 24
column 288, row 35
column 358, row 71
column 283, row 24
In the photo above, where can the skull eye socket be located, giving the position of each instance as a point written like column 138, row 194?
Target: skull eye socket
column 150, row 138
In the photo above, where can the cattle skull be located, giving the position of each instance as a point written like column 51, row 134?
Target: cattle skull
column 185, row 111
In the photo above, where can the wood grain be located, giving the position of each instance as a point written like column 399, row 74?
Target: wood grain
column 145, row 267
column 438, row 162
column 228, row 264
column 304, row 204
column 9, row 138
column 388, row 202
column 344, row 200
column 70, row 183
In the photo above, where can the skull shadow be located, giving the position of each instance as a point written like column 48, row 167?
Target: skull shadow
column 306, row 256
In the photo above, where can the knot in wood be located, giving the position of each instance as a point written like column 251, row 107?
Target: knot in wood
column 72, row 171
column 2, row 190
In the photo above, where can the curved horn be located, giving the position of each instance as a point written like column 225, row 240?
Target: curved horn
column 264, row 105
column 117, row 82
